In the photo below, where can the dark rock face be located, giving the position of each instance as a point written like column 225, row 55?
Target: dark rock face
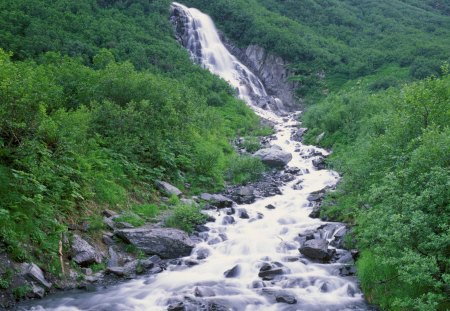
column 244, row 195
column 243, row 213
column 165, row 242
column 315, row 249
column 298, row 134
column 270, row 206
column 228, row 220
column 319, row 163
column 233, row 272
column 167, row 188
column 273, row 156
column 217, row 200
column 83, row 253
column 279, row 296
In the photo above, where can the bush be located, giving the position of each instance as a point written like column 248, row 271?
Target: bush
column 185, row 217
column 243, row 169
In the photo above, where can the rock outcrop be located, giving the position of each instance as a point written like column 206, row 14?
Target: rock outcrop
column 167, row 243
column 273, row 156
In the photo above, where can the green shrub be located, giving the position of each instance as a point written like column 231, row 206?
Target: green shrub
column 185, row 217
column 243, row 169
column 251, row 144
column 146, row 210
column 130, row 218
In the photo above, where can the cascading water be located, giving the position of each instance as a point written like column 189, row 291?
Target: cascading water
column 269, row 239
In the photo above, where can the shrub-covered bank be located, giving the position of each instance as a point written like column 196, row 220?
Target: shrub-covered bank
column 393, row 149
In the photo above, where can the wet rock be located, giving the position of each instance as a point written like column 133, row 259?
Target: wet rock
column 315, row 213
column 83, row 253
column 167, row 188
column 293, row 170
column 351, row 291
column 215, row 241
column 228, row 220
column 279, row 295
column 286, row 298
column 242, row 213
column 319, row 163
column 230, row 211
column 204, row 292
column 355, row 253
column 36, row 291
column 113, row 257
column 179, row 306
column 201, row 228
column 316, row 196
column 233, row 272
column 118, row 271
column 315, row 249
column 270, row 206
column 32, row 272
column 298, row 135
column 287, row 178
column 347, row 270
column 298, row 185
column 244, row 195
column 269, row 271
column 164, row 242
column 217, row 200
column 273, row 156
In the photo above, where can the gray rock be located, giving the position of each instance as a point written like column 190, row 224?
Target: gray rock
column 217, row 200
column 273, row 157
column 189, row 202
column 167, row 188
column 123, row 225
column 109, row 223
column 36, row 291
column 242, row 213
column 244, row 195
column 270, row 206
column 228, row 220
column 233, row 272
column 164, row 242
column 109, row 213
column 113, row 257
column 286, row 298
column 315, row 249
column 319, row 163
column 83, row 253
column 204, row 292
column 34, row 273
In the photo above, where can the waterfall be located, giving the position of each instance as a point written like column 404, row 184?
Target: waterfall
column 268, row 240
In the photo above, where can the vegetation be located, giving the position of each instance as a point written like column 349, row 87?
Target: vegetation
column 393, row 149
column 329, row 42
column 186, row 217
column 98, row 100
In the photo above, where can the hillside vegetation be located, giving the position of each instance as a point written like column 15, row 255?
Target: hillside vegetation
column 98, row 101
column 341, row 40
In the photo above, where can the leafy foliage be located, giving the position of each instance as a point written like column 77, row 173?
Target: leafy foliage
column 185, row 217
column 393, row 149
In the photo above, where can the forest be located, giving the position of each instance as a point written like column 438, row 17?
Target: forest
column 98, row 101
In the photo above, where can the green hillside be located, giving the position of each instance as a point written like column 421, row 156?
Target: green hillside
column 98, row 101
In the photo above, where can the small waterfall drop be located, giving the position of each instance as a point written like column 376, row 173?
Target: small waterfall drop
column 268, row 238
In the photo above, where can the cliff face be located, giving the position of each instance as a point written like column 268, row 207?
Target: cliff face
column 271, row 69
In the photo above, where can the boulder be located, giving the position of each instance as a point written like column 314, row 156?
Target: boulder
column 83, row 253
column 34, row 273
column 244, row 195
column 270, row 206
column 298, row 135
column 315, row 249
column 233, row 272
column 167, row 188
column 217, row 200
column 319, row 163
column 274, row 157
column 165, row 242
column 243, row 214
column 228, row 220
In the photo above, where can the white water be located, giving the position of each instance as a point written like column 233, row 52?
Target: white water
column 250, row 242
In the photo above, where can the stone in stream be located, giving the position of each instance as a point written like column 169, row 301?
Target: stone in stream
column 242, row 213
column 315, row 249
column 228, row 220
column 319, row 163
column 270, row 206
column 233, row 272
column 202, row 253
column 168, row 189
column 217, row 200
column 274, row 156
column 165, row 242
column 280, row 296
column 244, row 195
column 83, row 253
column 179, row 306
column 204, row 292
